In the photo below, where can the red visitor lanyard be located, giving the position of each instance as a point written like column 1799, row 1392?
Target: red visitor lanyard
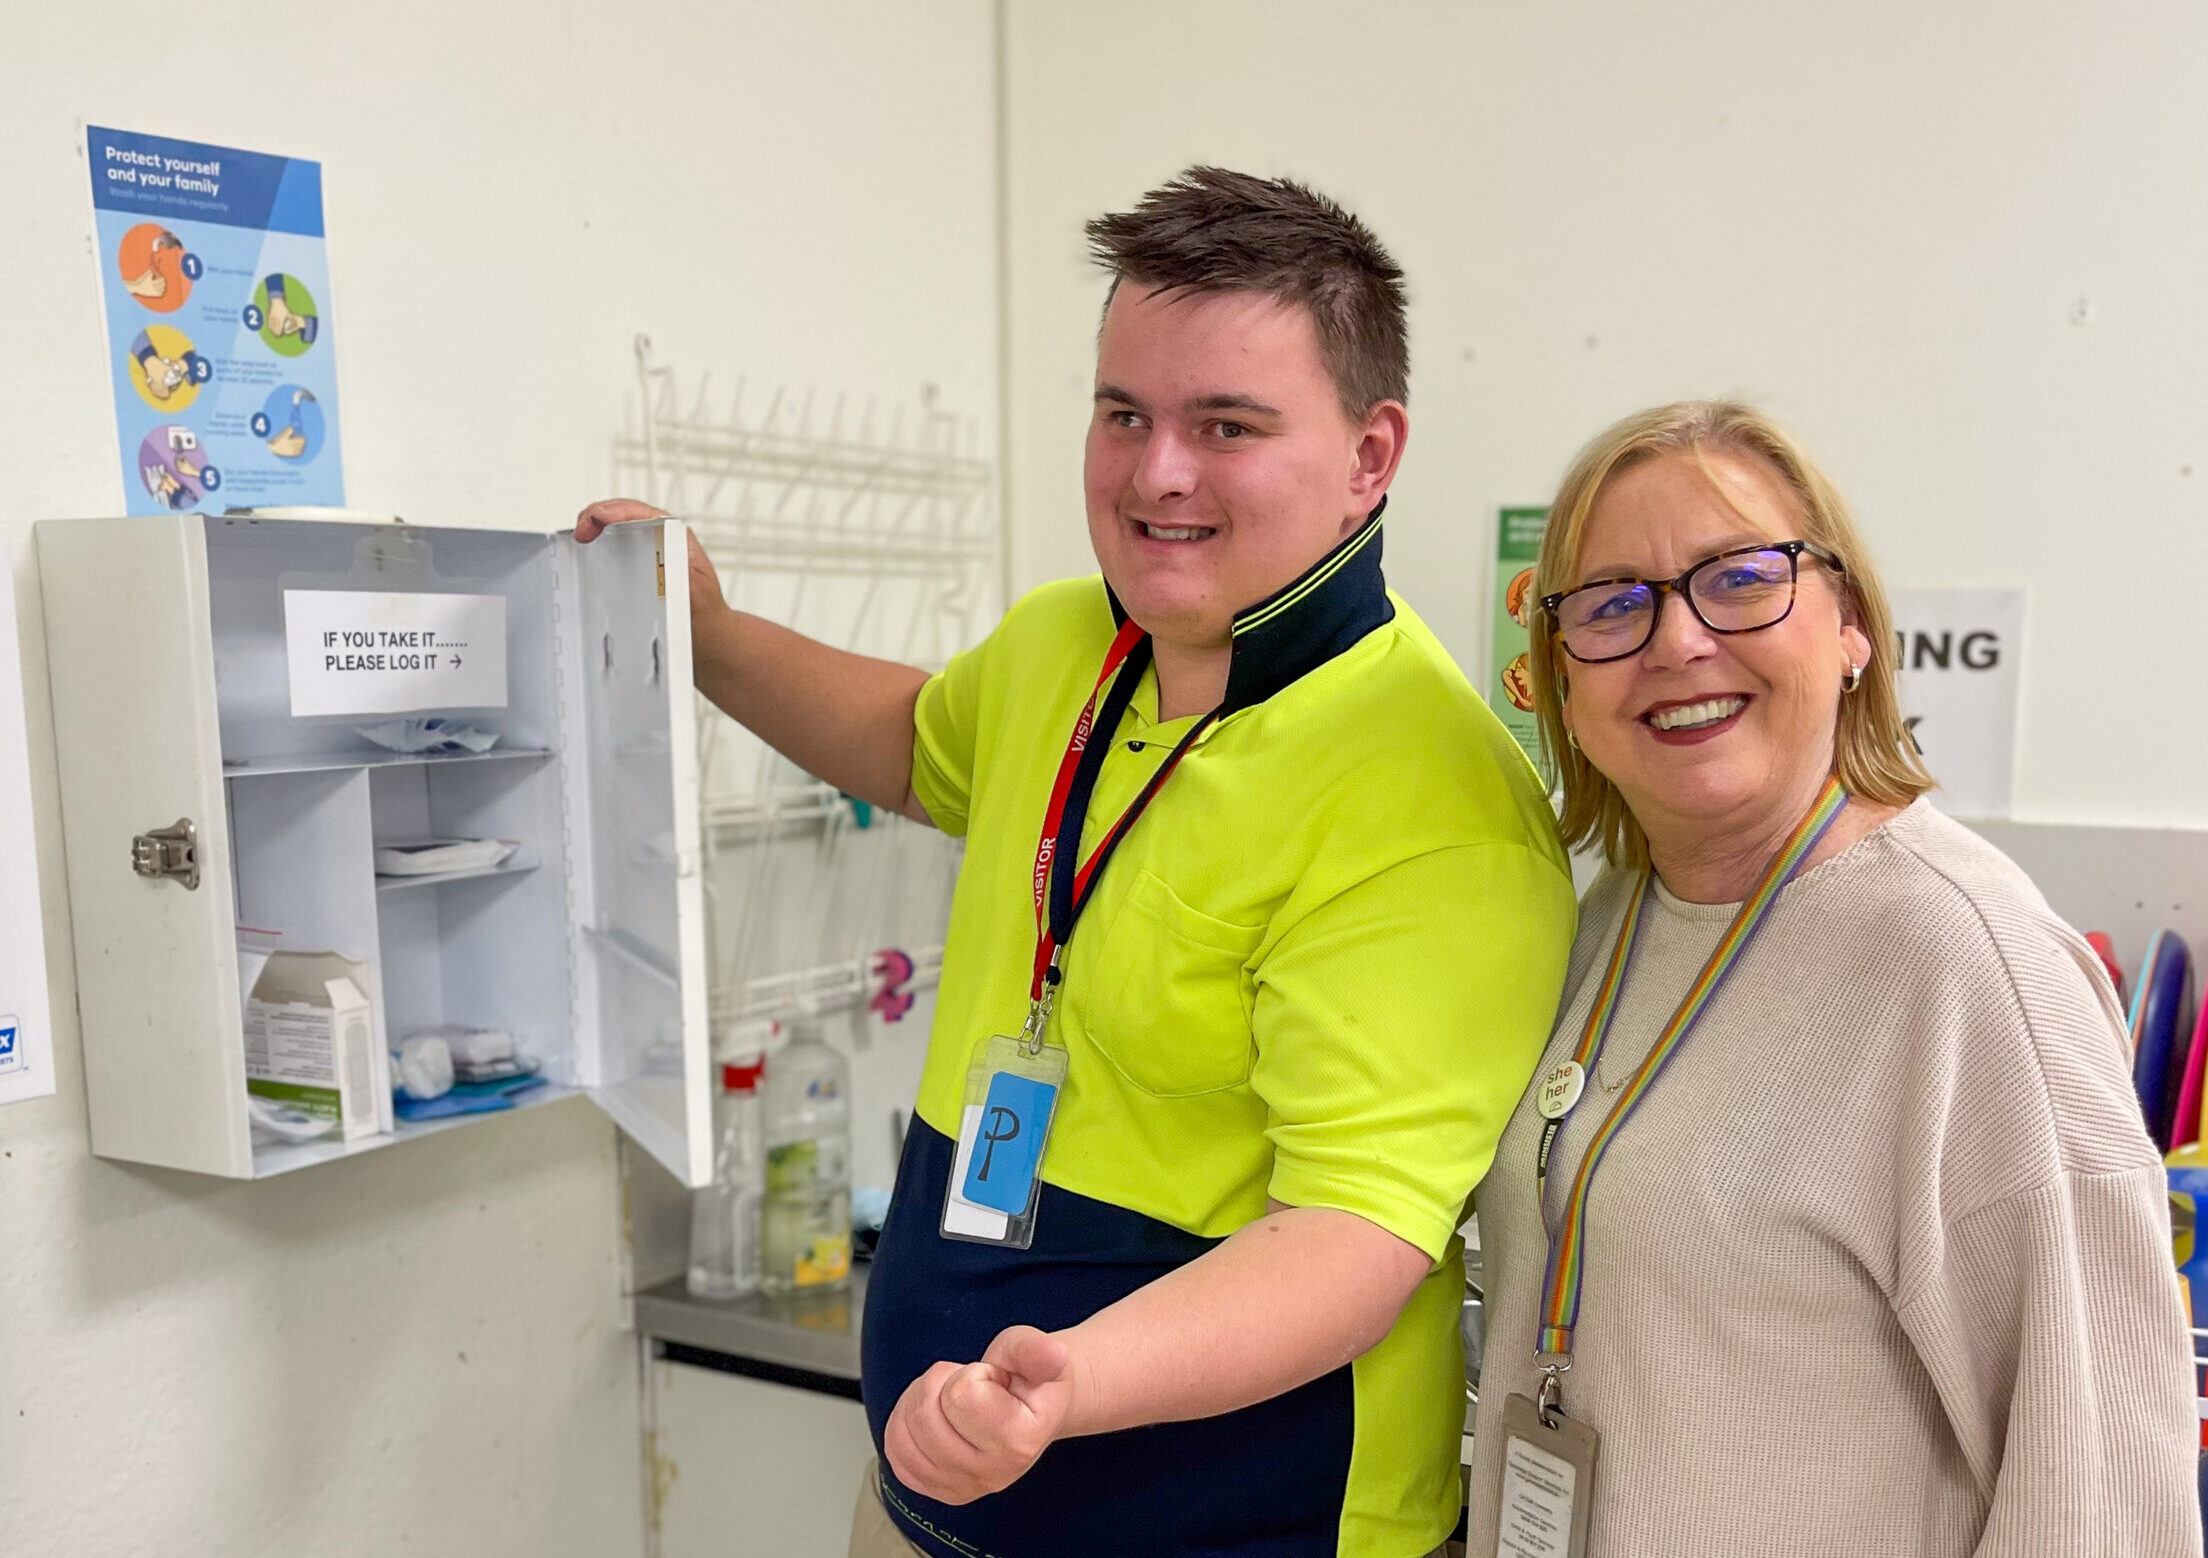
column 1058, row 901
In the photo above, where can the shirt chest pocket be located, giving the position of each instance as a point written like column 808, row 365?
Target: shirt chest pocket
column 1168, row 1007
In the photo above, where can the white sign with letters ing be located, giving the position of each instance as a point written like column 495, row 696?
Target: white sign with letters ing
column 384, row 652
column 1959, row 656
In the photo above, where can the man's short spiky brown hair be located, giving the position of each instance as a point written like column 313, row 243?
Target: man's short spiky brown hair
column 1215, row 230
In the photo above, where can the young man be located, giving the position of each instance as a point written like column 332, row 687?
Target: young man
column 1262, row 951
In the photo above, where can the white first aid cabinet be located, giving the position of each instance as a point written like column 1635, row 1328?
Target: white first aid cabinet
column 194, row 803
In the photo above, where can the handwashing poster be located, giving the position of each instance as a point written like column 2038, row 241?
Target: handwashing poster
column 216, row 292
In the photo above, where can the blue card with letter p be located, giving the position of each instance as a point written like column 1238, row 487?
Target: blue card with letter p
column 1008, row 1148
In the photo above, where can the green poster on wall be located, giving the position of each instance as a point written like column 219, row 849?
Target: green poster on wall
column 1510, row 678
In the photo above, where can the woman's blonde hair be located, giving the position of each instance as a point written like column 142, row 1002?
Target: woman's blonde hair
column 1873, row 752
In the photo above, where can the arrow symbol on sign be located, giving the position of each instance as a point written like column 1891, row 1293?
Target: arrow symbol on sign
column 456, row 662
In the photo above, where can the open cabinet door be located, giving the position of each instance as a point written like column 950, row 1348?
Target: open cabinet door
column 637, row 910
column 133, row 676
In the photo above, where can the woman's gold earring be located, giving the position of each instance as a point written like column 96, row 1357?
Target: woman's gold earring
column 1855, row 679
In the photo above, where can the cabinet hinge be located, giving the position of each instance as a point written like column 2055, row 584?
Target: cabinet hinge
column 170, row 853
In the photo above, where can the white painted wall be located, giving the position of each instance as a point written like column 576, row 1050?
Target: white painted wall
column 417, row 1350
column 1958, row 248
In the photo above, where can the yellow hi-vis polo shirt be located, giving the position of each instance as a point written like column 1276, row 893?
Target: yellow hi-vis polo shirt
column 1320, row 969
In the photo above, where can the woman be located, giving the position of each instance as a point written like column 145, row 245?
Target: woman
column 1872, row 1253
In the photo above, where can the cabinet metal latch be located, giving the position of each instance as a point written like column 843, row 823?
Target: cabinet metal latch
column 171, row 852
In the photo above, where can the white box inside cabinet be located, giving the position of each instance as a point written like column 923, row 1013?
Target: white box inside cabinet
column 172, row 704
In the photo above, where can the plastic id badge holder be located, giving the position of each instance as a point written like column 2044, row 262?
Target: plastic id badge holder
column 1011, row 1096
column 1548, row 1483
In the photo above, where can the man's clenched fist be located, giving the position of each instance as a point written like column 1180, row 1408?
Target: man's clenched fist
column 964, row 1430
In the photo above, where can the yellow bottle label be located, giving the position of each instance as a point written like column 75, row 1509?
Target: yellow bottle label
column 825, row 1260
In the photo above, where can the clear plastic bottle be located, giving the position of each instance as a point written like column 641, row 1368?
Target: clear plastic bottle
column 806, row 1234
column 724, row 1215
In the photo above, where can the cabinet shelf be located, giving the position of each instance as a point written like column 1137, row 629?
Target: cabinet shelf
column 325, row 762
column 286, row 1157
column 400, row 884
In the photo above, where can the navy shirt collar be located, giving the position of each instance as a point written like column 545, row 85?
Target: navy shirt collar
column 1300, row 627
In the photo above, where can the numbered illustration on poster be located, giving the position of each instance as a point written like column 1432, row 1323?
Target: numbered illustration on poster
column 290, row 423
column 156, row 268
column 165, row 368
column 283, row 314
column 1958, row 658
column 175, row 469
column 215, row 287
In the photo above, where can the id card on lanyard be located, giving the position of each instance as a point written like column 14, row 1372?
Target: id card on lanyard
column 1547, row 1479
column 1014, row 1082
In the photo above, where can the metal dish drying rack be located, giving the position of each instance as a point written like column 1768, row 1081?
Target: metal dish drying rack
column 875, row 532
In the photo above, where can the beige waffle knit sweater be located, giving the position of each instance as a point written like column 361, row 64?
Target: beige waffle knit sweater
column 1882, row 1264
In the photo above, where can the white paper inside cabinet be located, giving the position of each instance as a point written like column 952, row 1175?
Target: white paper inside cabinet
column 132, row 670
column 637, row 898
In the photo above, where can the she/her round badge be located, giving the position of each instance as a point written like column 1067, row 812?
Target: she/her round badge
column 1560, row 1089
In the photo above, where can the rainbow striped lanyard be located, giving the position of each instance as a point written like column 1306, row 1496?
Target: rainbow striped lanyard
column 1560, row 1089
